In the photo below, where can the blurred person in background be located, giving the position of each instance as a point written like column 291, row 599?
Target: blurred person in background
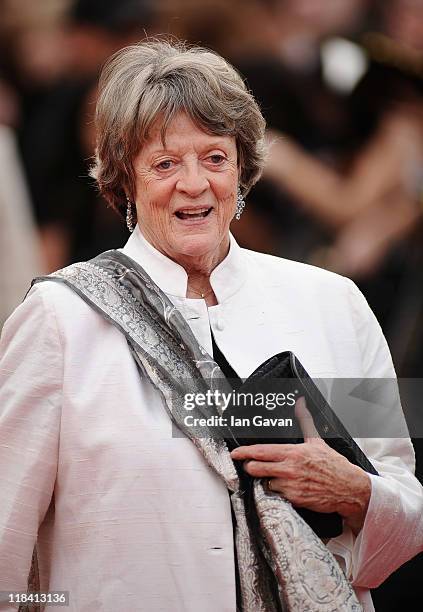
column 390, row 97
column 374, row 206
column 20, row 252
column 55, row 130
column 35, row 56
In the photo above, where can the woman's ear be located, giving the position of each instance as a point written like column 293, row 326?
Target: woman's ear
column 239, row 163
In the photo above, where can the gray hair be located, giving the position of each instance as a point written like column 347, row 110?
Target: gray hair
column 151, row 80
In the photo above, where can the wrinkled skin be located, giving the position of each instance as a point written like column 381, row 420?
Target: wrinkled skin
column 191, row 170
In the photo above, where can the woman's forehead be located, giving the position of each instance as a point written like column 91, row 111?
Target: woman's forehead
column 180, row 131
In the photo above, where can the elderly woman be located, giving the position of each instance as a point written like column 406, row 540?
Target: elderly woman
column 126, row 514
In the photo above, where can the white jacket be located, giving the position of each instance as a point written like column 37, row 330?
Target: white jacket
column 130, row 518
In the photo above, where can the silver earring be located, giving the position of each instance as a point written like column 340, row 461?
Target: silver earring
column 129, row 216
column 240, row 205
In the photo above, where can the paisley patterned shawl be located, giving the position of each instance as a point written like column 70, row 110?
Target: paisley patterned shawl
column 283, row 565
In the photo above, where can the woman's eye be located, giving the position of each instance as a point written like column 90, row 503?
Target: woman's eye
column 216, row 159
column 166, row 164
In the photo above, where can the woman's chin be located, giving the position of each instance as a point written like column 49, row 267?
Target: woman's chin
column 200, row 247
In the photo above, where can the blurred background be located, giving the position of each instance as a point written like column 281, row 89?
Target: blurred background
column 340, row 83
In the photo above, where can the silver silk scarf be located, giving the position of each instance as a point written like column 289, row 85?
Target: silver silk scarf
column 283, row 566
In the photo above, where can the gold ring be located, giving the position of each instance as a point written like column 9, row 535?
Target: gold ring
column 269, row 480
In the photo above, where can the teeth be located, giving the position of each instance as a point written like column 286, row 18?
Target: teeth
column 193, row 212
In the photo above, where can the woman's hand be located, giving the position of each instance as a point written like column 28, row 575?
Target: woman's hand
column 311, row 475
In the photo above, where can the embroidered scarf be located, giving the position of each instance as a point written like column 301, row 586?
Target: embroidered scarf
column 283, row 565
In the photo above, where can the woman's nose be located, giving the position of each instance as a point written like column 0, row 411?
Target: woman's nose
column 192, row 180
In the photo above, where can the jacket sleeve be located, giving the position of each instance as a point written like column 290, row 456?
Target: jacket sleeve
column 393, row 529
column 30, row 406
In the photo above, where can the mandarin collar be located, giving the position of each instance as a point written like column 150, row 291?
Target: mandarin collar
column 226, row 279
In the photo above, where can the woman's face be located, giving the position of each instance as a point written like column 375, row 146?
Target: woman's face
column 186, row 193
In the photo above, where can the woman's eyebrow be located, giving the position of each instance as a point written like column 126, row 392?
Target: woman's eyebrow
column 217, row 144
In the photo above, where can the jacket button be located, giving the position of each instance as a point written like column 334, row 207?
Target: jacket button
column 220, row 324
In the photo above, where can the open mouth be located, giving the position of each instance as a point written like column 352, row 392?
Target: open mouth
column 199, row 213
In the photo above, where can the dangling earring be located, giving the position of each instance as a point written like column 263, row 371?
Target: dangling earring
column 129, row 216
column 240, row 204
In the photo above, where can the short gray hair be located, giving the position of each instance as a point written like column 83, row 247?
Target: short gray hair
column 151, row 80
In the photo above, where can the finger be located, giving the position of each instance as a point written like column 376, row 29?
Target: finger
column 275, row 485
column 305, row 420
column 262, row 469
column 263, row 452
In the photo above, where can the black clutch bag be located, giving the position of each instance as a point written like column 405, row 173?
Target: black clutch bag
column 284, row 374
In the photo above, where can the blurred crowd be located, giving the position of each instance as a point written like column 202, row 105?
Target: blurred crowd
column 340, row 83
